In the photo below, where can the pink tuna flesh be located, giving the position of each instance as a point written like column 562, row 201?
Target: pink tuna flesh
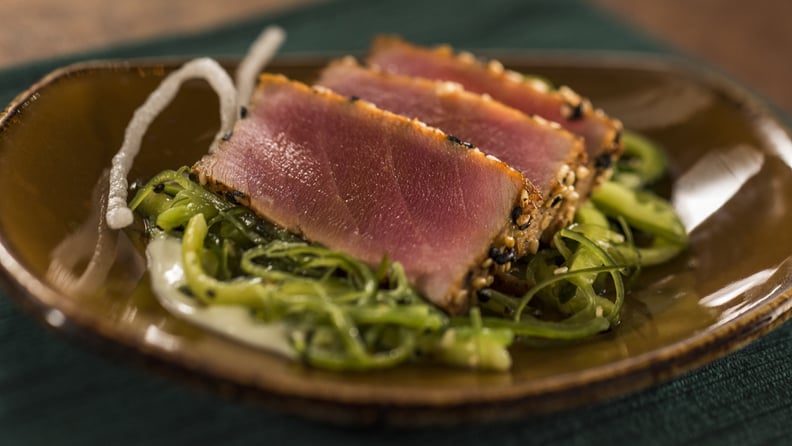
column 562, row 106
column 367, row 182
column 536, row 148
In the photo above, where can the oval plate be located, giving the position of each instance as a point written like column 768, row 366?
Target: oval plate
column 730, row 163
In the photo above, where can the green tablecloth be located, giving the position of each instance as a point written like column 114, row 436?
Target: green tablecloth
column 52, row 392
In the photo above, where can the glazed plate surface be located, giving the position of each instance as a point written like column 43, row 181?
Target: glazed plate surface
column 730, row 179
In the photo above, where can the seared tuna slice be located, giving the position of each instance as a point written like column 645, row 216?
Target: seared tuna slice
column 564, row 106
column 544, row 153
column 371, row 183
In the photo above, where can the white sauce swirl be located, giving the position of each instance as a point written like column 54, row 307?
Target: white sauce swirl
column 163, row 255
column 263, row 49
column 118, row 214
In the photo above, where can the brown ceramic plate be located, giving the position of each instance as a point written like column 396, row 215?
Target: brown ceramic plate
column 730, row 165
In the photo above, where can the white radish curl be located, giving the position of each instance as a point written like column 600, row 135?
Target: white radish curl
column 258, row 56
column 263, row 49
column 118, row 214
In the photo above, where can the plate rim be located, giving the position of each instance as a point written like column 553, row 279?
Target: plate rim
column 612, row 379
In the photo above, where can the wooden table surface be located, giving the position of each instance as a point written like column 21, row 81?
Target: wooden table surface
column 748, row 40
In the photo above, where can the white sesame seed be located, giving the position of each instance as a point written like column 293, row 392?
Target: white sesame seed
column 569, row 95
column 467, row 57
column 562, row 172
column 495, row 66
column 478, row 283
column 513, row 76
column 561, row 270
column 447, row 87
column 493, row 157
column 538, row 84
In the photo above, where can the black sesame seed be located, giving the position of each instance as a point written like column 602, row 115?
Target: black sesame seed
column 525, row 226
column 227, row 135
column 354, row 98
column 516, row 213
column 603, row 161
column 484, row 295
column 229, row 196
column 456, row 140
column 501, row 257
column 159, row 188
column 556, row 201
column 243, row 111
column 576, row 112
column 504, row 258
column 193, row 177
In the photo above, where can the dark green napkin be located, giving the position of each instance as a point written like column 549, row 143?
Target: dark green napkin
column 54, row 393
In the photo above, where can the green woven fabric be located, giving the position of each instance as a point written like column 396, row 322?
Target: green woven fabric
column 53, row 392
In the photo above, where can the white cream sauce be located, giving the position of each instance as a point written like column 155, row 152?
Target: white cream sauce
column 163, row 254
